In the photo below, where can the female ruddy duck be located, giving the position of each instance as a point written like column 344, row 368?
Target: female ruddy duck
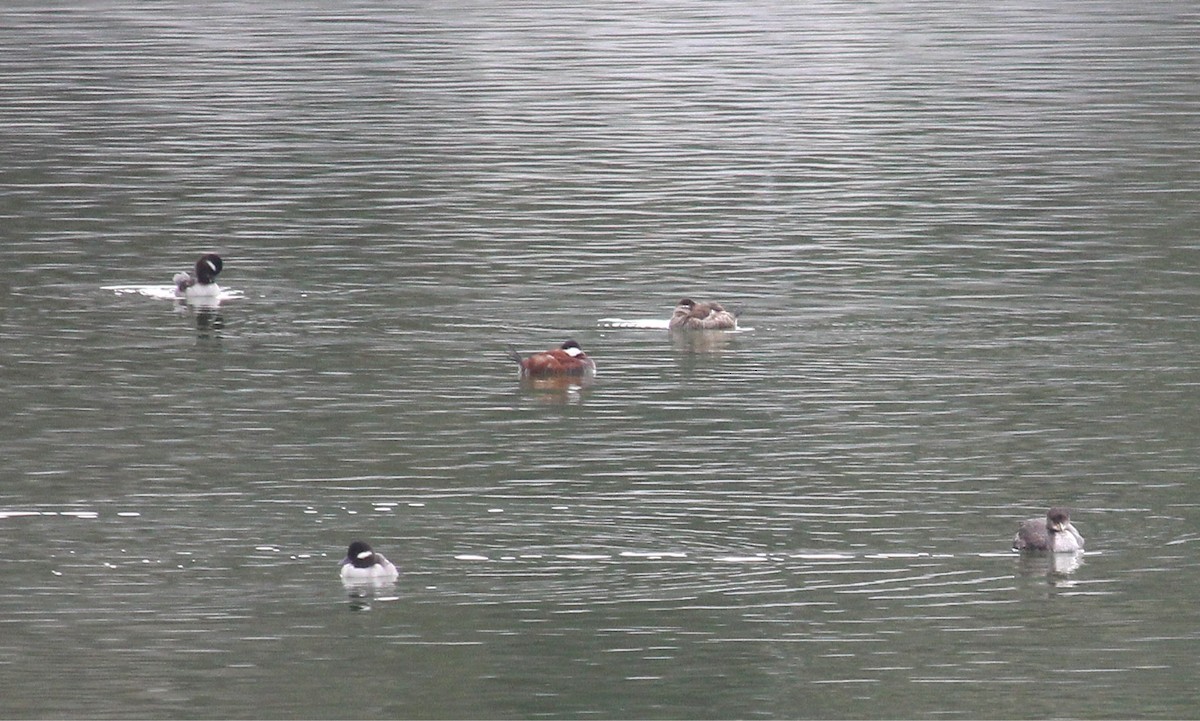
column 565, row 360
column 363, row 564
column 200, row 285
column 690, row 315
column 1053, row 533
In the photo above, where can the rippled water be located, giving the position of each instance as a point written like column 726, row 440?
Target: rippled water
column 963, row 240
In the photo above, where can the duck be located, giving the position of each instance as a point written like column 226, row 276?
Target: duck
column 566, row 360
column 201, row 284
column 690, row 315
column 362, row 563
column 1053, row 533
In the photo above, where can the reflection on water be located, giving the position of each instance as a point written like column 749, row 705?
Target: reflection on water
column 559, row 389
column 1056, row 568
column 701, row 341
column 965, row 238
column 364, row 599
column 209, row 322
column 363, row 594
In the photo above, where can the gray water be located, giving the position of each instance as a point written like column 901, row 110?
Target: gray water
column 963, row 238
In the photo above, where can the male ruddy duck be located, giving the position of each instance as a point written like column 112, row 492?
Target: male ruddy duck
column 363, row 564
column 201, row 284
column 1053, row 533
column 565, row 360
column 690, row 315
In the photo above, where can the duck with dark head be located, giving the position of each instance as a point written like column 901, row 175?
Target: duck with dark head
column 566, row 360
column 1053, row 533
column 690, row 315
column 363, row 563
column 200, row 285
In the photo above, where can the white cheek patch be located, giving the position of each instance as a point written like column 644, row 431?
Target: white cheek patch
column 211, row 265
column 574, row 352
column 364, row 555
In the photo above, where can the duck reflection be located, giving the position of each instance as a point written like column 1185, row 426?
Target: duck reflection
column 557, row 390
column 700, row 341
column 360, row 599
column 363, row 594
column 209, row 325
column 1057, row 568
column 209, row 322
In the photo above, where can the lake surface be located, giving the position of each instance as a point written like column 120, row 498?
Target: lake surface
column 963, row 238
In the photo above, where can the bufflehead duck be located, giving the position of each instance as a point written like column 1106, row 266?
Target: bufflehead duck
column 690, row 315
column 200, row 285
column 565, row 360
column 363, row 564
column 1052, row 533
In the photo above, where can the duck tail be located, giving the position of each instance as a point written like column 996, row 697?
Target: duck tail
column 514, row 355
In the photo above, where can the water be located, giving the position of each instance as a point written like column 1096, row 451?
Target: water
column 963, row 240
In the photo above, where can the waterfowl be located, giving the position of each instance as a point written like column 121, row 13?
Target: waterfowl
column 690, row 315
column 200, row 284
column 566, row 360
column 1052, row 533
column 363, row 564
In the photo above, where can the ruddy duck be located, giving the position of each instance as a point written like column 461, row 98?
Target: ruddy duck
column 690, row 315
column 1053, row 533
column 363, row 564
column 565, row 360
column 200, row 285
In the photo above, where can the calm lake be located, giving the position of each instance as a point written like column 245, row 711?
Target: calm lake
column 964, row 239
